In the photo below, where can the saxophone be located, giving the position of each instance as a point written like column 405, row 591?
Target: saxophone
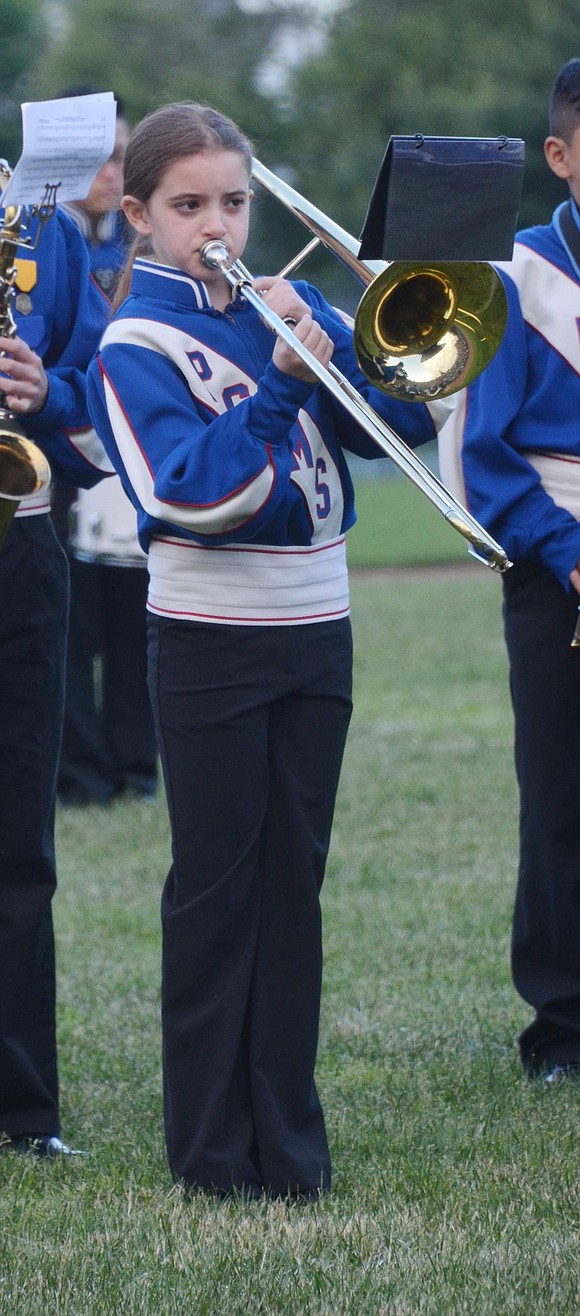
column 24, row 470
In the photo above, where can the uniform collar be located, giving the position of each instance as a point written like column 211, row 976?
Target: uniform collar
column 101, row 230
column 572, row 209
column 169, row 284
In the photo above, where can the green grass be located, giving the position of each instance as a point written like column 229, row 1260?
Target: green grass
column 398, row 526
column 456, row 1183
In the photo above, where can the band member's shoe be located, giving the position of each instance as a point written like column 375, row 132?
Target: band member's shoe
column 556, row 1073
column 39, row 1145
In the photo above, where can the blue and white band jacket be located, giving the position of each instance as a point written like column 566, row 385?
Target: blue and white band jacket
column 236, row 469
column 61, row 313
column 511, row 448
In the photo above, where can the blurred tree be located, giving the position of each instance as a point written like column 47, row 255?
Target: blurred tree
column 406, row 66
column 319, row 114
column 149, row 54
column 22, row 29
column 213, row 51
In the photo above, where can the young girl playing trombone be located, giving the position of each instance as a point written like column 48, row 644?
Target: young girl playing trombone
column 231, row 451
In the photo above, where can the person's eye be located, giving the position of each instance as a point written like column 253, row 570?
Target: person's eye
column 188, row 206
column 236, row 202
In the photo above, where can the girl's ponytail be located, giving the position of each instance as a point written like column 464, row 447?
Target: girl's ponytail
column 139, row 247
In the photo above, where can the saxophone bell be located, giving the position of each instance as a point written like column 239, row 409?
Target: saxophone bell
column 24, row 470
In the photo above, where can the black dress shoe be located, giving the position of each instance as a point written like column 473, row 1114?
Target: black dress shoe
column 556, row 1073
column 40, row 1145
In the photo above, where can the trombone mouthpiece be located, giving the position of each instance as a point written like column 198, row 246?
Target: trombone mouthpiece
column 214, row 254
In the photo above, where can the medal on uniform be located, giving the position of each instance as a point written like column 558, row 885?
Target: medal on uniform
column 26, row 275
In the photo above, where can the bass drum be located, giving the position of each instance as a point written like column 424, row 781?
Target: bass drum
column 103, row 526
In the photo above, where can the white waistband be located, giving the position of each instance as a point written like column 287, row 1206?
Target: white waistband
column 249, row 585
column 35, row 505
column 560, row 476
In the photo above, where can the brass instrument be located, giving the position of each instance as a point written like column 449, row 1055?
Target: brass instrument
column 454, row 320
column 24, row 470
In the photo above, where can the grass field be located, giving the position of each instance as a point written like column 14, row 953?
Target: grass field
column 398, row 526
column 456, row 1181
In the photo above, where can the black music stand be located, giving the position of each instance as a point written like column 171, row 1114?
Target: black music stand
column 445, row 199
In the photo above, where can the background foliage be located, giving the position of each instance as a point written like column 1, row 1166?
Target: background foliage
column 319, row 88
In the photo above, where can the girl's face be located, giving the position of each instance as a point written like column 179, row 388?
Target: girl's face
column 200, row 198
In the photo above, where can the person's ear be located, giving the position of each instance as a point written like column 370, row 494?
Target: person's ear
column 556, row 153
column 136, row 213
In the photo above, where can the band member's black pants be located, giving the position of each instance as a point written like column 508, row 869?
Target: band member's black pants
column 108, row 740
column 33, row 607
column 539, row 618
column 251, row 726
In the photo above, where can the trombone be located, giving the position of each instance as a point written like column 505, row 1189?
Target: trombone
column 445, row 341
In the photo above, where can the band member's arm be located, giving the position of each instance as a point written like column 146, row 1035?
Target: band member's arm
column 48, row 393
column 490, row 429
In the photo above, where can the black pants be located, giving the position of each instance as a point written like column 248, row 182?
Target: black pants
column 33, row 609
column 108, row 738
column 251, row 725
column 539, row 618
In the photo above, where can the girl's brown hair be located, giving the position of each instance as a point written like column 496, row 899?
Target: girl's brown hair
column 165, row 135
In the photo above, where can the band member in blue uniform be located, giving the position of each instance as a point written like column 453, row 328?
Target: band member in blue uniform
column 108, row 741
column 518, row 433
column 232, row 453
column 60, row 316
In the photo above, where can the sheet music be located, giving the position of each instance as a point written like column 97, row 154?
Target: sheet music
column 65, row 142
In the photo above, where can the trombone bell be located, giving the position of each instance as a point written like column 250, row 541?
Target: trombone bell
column 423, row 332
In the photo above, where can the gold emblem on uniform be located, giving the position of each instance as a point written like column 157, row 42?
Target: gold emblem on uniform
column 26, row 274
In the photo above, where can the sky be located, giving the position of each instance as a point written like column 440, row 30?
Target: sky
column 317, row 6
